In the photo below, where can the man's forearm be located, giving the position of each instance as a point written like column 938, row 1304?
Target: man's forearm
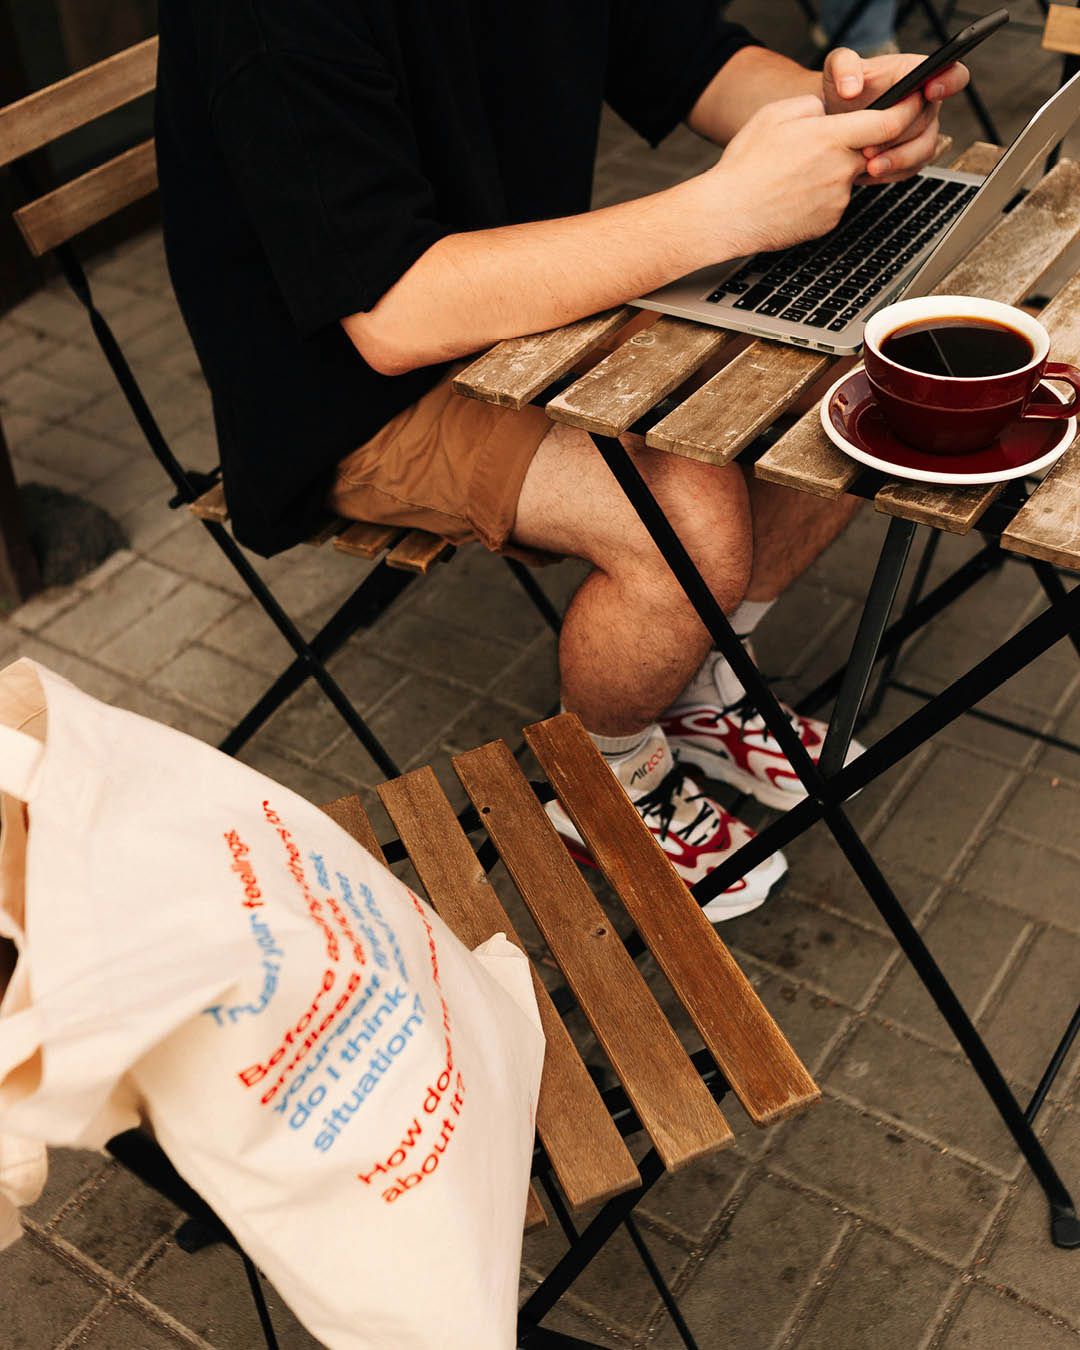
column 469, row 290
column 751, row 78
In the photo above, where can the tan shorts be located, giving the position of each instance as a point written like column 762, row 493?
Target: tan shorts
column 448, row 464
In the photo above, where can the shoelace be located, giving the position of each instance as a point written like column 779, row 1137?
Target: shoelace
column 664, row 800
column 746, row 713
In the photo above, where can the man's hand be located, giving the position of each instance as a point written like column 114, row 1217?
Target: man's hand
column 787, row 175
column 850, row 82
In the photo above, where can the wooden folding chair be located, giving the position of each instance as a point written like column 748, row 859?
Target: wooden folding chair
column 48, row 222
column 663, row 1093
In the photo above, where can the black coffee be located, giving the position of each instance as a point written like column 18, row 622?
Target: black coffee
column 958, row 345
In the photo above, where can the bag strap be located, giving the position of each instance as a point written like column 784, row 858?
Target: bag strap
column 21, row 759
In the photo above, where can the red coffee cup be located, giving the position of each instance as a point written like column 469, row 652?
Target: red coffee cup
column 951, row 414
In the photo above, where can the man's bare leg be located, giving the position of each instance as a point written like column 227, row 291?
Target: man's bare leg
column 630, row 639
column 791, row 529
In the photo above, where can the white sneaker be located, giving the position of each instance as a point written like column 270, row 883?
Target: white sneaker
column 695, row 833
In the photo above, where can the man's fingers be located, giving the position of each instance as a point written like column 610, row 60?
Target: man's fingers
column 882, row 127
column 948, row 82
column 905, row 157
column 844, row 71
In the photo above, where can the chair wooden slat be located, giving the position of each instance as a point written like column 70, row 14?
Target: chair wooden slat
column 366, row 541
column 751, row 1050
column 804, row 457
column 586, row 1150
column 666, row 1092
column 211, row 505
column 60, row 215
column 41, row 117
column 637, row 375
column 349, row 813
column 515, row 371
column 419, row 551
column 725, row 414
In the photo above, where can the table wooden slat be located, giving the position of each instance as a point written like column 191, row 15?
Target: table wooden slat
column 756, row 1059
column 513, row 372
column 349, row 813
column 1048, row 525
column 725, row 414
column 665, row 1090
column 586, row 1150
column 637, row 375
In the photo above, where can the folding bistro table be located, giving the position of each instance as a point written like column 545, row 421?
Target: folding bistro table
column 638, row 386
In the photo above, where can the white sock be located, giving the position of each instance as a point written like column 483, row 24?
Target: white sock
column 615, row 747
column 714, row 679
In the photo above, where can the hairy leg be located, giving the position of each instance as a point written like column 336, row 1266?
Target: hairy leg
column 790, row 529
column 630, row 639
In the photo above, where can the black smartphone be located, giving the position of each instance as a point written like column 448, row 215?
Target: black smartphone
column 937, row 61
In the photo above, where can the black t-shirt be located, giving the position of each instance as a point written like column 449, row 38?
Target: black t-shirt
column 309, row 151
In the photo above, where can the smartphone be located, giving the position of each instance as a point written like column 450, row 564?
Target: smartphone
column 935, row 63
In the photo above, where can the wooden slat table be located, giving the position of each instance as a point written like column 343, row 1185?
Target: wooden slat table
column 671, row 1096
column 714, row 421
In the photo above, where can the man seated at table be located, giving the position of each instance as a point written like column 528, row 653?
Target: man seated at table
column 357, row 193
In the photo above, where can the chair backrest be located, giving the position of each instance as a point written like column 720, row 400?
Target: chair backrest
column 52, row 112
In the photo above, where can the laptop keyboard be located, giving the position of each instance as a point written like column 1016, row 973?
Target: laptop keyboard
column 827, row 282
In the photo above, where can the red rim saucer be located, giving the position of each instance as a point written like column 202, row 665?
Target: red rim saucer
column 853, row 421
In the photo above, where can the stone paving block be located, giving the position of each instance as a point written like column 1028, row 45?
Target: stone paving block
column 842, row 567
column 124, row 1324
column 191, row 550
column 883, row 1174
column 143, row 312
column 197, row 448
column 19, row 427
column 409, row 722
column 800, row 624
column 44, row 606
column 309, row 724
column 27, row 471
column 926, row 835
column 207, row 1292
column 70, row 1169
column 248, row 631
column 818, row 949
column 30, row 391
column 147, row 524
column 477, row 591
column 140, row 480
column 475, row 659
column 111, row 609
column 948, row 651
column 752, row 1281
column 819, row 872
column 117, row 1220
column 485, row 719
column 313, row 784
column 532, row 681
column 308, row 579
column 973, row 941
column 75, row 365
column 212, row 682
column 884, row 1296
column 170, row 625
column 1036, row 880
column 563, row 1319
column 91, row 679
column 989, row 1317
column 42, row 1296
column 810, row 1021
column 136, row 699
column 936, row 1093
column 1025, row 1026
column 72, row 454
column 689, row 1203
column 1022, row 1258
column 1046, row 811
column 56, row 313
column 26, row 350
column 609, row 1289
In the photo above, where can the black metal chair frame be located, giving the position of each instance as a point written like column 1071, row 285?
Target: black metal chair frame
column 368, row 601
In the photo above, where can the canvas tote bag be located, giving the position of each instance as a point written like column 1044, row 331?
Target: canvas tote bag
column 323, row 1061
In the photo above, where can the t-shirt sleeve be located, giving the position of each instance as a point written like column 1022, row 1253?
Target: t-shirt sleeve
column 323, row 158
column 661, row 57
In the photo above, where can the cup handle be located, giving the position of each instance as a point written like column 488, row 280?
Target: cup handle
column 1057, row 370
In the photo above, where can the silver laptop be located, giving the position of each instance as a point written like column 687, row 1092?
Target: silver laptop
column 896, row 239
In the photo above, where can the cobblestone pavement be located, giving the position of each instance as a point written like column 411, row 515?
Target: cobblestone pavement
column 895, row 1216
